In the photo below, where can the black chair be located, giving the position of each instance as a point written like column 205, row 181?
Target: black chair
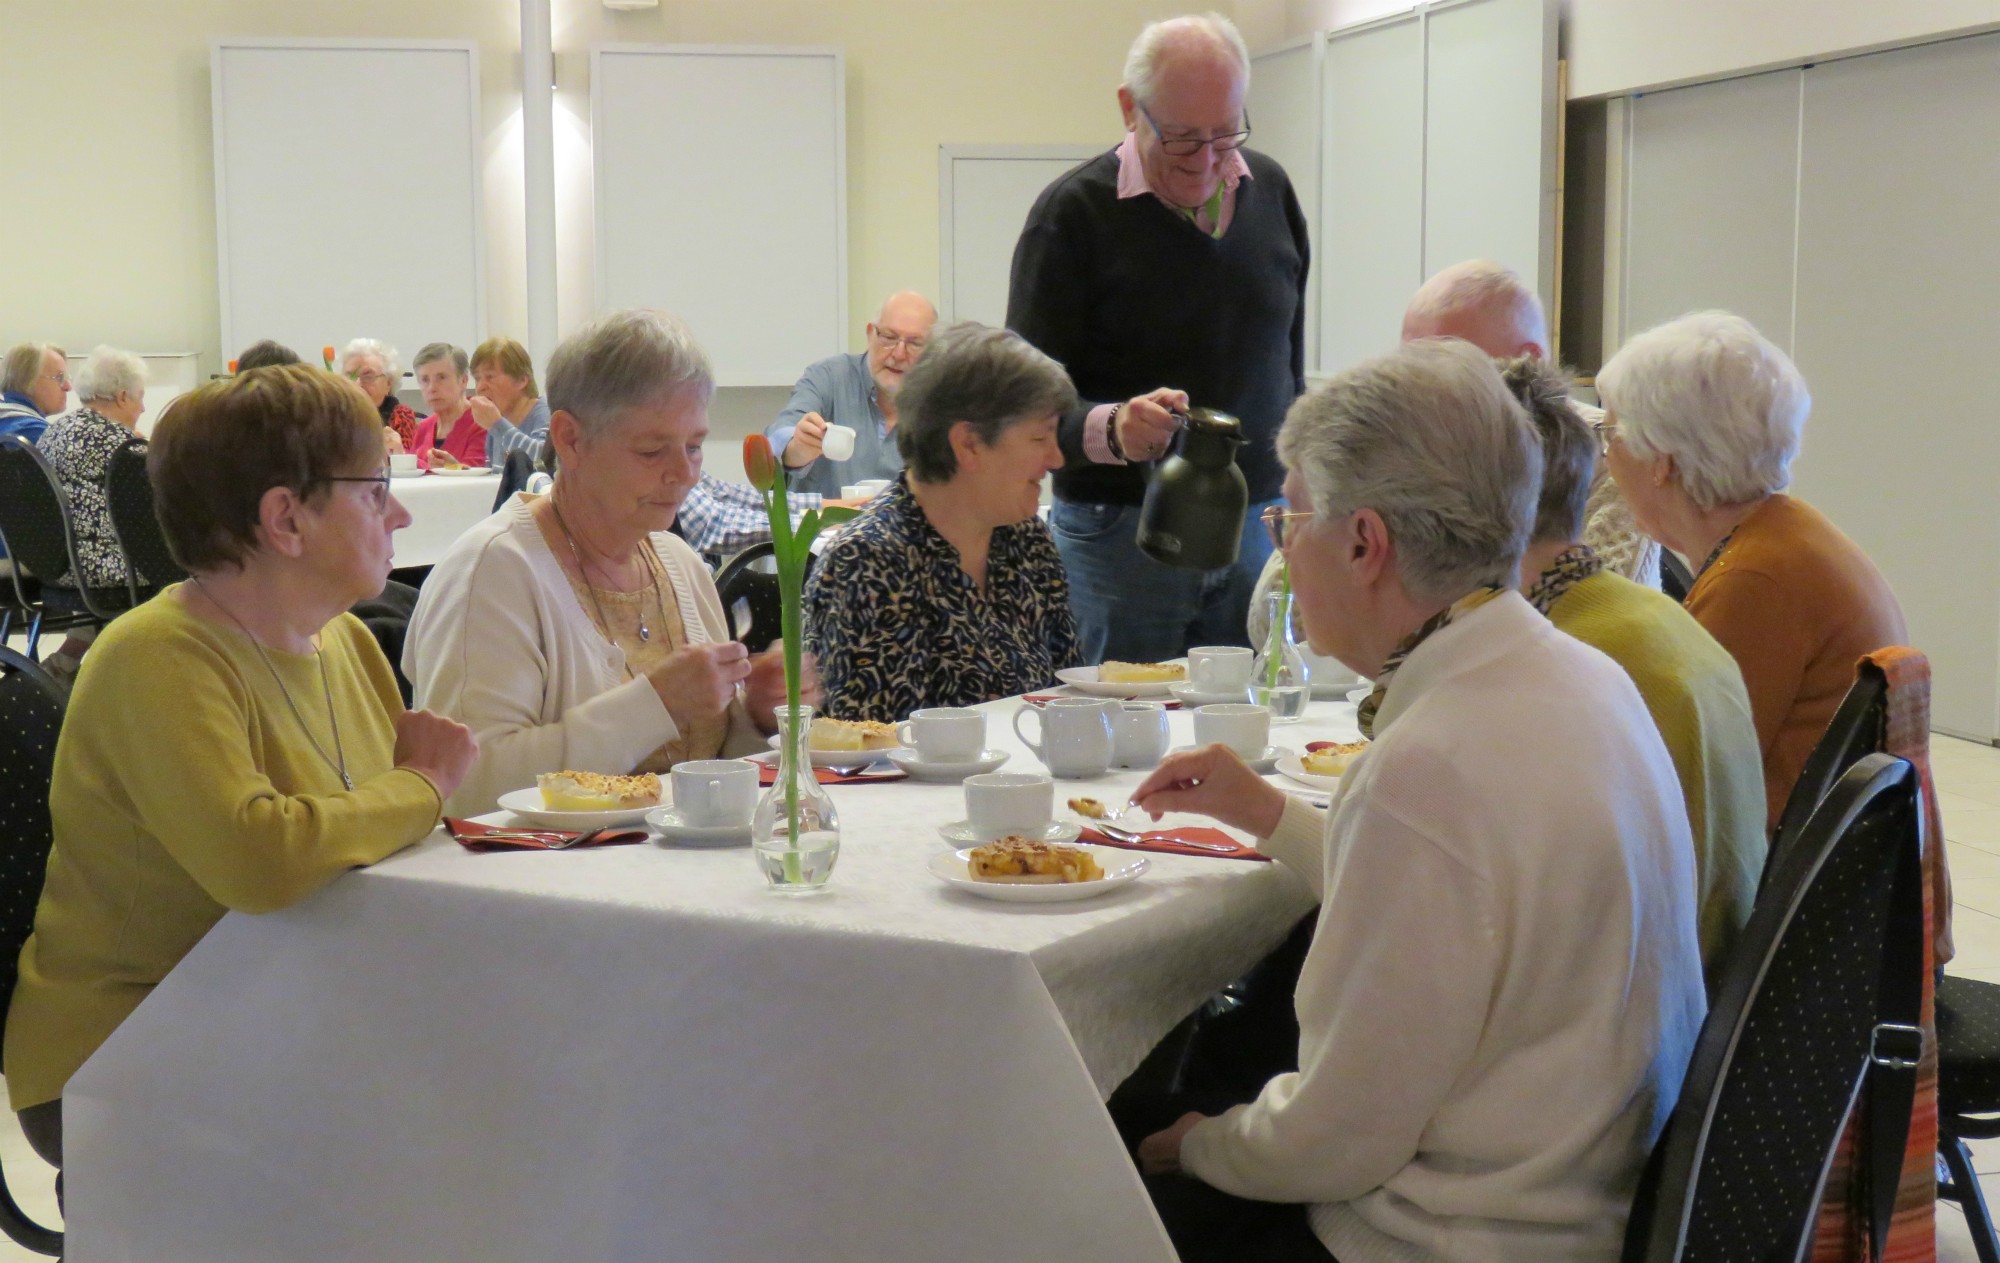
column 40, row 535
column 514, row 473
column 750, row 599
column 135, row 526
column 1819, row 1002
column 1854, row 732
column 31, row 712
column 1675, row 577
column 1968, row 1033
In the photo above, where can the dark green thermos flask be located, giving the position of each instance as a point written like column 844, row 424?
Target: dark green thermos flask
column 1193, row 513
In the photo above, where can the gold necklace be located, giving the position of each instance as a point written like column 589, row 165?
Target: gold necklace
column 338, row 765
column 645, row 633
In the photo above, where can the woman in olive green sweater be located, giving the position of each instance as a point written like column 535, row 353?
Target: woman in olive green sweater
column 1688, row 681
column 236, row 742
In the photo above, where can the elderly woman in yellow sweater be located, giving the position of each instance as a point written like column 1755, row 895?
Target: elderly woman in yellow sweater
column 238, row 741
column 1689, row 683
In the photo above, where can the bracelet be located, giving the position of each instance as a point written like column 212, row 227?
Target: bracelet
column 1111, row 432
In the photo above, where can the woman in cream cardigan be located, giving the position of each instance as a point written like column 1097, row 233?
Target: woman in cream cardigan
column 573, row 630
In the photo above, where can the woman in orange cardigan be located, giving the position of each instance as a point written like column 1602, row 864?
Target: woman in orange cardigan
column 1703, row 420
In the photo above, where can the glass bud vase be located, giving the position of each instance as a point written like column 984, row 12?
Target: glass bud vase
column 795, row 831
column 1280, row 680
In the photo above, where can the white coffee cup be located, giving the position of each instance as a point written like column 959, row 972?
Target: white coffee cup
column 1243, row 728
column 1000, row 803
column 1139, row 733
column 944, row 734
column 872, row 487
column 402, row 462
column 1076, row 735
column 715, row 793
column 1220, row 668
column 853, row 492
column 837, row 443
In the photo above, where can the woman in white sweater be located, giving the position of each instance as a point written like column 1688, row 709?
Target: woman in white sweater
column 1504, row 983
column 573, row 630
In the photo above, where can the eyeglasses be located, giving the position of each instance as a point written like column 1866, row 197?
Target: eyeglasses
column 891, row 341
column 1274, row 524
column 1188, row 146
column 60, row 379
column 367, row 378
column 1604, row 430
column 381, row 493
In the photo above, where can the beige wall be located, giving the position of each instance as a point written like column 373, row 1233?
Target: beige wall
column 110, row 220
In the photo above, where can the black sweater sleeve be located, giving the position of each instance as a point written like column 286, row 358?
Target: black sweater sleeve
column 1047, row 299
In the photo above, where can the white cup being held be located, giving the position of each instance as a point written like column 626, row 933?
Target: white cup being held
column 1220, row 668
column 715, row 793
column 1000, row 803
column 1243, row 728
column 837, row 443
column 1076, row 735
column 1139, row 733
column 944, row 734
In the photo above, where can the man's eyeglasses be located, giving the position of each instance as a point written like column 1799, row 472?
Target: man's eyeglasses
column 1188, row 146
column 1274, row 524
column 380, row 495
column 891, row 341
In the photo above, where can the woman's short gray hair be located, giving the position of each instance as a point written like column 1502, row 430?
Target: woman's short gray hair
column 624, row 359
column 392, row 363
column 24, row 364
column 1569, row 448
column 1714, row 394
column 1431, row 439
column 110, row 372
column 1142, row 63
column 990, row 378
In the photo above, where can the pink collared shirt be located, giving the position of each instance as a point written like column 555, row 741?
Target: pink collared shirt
column 1132, row 182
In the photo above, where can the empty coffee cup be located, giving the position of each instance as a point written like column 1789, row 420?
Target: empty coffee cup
column 715, row 793
column 1220, row 668
column 944, row 734
column 1000, row 803
column 1243, row 728
column 837, row 443
column 1139, row 733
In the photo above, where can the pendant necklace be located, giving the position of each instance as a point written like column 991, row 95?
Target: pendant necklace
column 339, row 765
column 645, row 633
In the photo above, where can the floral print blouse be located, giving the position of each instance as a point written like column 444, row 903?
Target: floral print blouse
column 79, row 446
column 897, row 625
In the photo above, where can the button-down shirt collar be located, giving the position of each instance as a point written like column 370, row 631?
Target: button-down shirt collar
column 1132, row 181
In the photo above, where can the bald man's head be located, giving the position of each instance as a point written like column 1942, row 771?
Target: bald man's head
column 897, row 337
column 1482, row 303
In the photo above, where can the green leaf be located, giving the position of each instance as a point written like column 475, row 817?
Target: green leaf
column 832, row 514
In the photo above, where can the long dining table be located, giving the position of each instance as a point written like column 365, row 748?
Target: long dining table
column 638, row 1052
column 442, row 508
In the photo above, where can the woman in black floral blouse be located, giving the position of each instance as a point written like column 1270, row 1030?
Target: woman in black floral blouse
column 948, row 591
column 78, row 445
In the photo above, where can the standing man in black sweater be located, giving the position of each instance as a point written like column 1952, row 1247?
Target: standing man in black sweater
column 1170, row 271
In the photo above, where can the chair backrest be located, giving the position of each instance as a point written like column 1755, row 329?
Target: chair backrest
column 1855, row 732
column 31, row 714
column 1834, row 948
column 742, row 583
column 134, row 523
column 34, row 512
column 1675, row 577
column 514, row 471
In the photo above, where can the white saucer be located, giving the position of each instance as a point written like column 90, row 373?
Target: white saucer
column 826, row 758
column 959, row 833
column 527, row 804
column 1120, row 867
column 668, row 824
column 1191, row 694
column 1265, row 762
column 907, row 760
column 402, row 473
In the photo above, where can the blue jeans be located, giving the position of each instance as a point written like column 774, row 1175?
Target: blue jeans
column 1133, row 609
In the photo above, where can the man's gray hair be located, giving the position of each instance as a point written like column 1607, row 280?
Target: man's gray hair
column 1432, row 440
column 1155, row 42
column 624, row 359
column 108, row 373
column 990, row 378
column 1715, row 395
column 1569, row 446
column 1481, row 290
column 24, row 364
column 392, row 363
column 435, row 351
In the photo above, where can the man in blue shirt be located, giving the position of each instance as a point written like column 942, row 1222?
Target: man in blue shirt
column 858, row 392
column 34, row 383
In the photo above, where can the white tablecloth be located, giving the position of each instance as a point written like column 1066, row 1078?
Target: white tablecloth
column 441, row 509
column 639, row 1053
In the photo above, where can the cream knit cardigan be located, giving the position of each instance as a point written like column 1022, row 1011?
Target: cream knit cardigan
column 501, row 643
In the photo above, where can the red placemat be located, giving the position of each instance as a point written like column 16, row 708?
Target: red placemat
column 475, row 837
column 1043, row 699
column 1167, row 842
column 767, row 774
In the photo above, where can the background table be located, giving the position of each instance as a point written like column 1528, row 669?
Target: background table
column 441, row 509
column 640, row 1053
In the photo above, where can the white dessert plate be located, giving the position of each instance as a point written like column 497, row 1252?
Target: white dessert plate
column 674, row 831
column 527, row 804
column 1190, row 694
column 1265, row 762
column 961, row 833
column 474, row 471
column 828, row 758
column 1120, row 868
column 1293, row 766
column 1084, row 680
column 956, row 770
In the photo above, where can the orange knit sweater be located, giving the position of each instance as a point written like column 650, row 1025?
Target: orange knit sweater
column 1797, row 604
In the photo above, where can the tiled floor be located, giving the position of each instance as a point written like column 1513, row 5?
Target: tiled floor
column 1968, row 779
